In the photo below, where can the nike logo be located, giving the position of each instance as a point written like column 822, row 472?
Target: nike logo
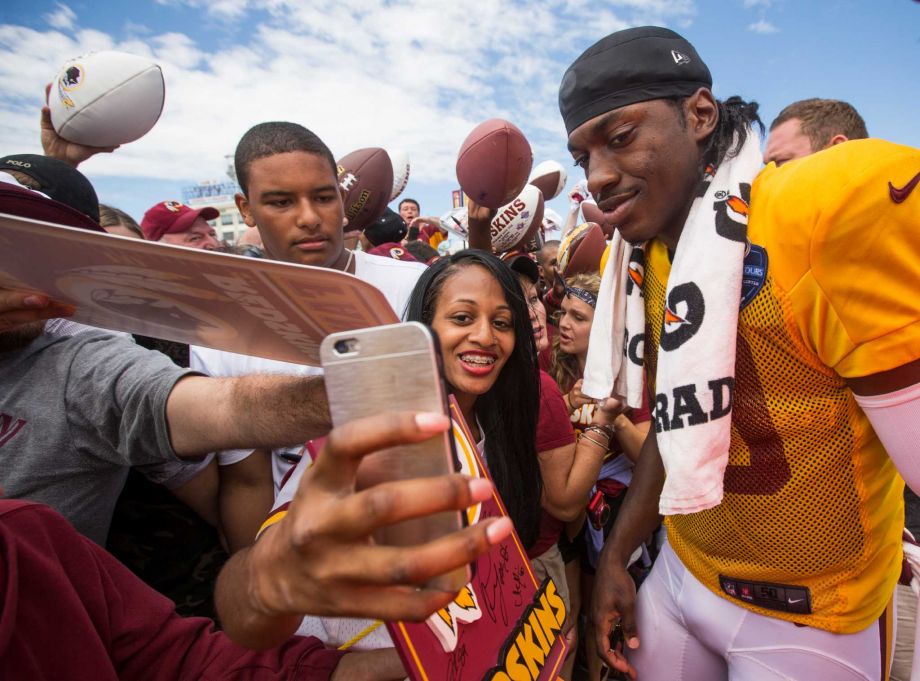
column 900, row 195
column 793, row 601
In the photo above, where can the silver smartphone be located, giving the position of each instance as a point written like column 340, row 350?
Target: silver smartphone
column 395, row 368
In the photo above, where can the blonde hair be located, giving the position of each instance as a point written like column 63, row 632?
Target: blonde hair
column 564, row 367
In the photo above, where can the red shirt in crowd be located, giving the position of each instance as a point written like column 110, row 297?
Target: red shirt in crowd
column 554, row 429
column 69, row 610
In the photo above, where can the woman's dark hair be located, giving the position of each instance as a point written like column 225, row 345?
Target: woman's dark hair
column 508, row 412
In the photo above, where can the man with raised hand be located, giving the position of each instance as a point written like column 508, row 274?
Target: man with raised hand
column 777, row 313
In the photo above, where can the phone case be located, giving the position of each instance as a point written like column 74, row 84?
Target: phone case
column 395, row 368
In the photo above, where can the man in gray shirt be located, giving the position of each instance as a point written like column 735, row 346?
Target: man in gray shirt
column 75, row 414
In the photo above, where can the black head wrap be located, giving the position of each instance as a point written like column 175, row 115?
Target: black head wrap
column 626, row 67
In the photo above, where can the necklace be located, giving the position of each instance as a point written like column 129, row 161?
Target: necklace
column 351, row 257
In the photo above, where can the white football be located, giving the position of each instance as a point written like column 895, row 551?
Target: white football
column 516, row 222
column 400, row 160
column 549, row 177
column 106, row 98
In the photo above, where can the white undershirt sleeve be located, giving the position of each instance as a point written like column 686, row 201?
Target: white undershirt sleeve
column 896, row 420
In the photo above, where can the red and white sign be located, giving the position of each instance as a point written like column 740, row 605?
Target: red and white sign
column 504, row 624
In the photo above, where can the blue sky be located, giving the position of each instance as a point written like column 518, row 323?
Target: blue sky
column 419, row 74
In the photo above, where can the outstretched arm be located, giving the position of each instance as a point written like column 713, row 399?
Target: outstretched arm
column 569, row 472
column 209, row 414
column 479, row 219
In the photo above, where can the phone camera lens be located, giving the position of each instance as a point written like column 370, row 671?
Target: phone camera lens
column 346, row 346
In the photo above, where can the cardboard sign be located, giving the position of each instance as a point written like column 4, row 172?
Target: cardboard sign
column 244, row 305
column 505, row 625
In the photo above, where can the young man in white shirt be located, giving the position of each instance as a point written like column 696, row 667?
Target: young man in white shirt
column 291, row 194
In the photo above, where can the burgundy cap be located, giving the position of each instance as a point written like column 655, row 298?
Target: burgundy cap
column 26, row 203
column 392, row 250
column 172, row 217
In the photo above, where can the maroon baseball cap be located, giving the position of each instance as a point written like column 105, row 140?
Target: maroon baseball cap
column 22, row 201
column 172, row 217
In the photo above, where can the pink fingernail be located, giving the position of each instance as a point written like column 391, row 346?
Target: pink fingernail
column 499, row 530
column 34, row 301
column 633, row 643
column 480, row 489
column 431, row 421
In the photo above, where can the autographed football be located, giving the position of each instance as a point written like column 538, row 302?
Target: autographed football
column 549, row 177
column 494, row 163
column 400, row 161
column 581, row 250
column 366, row 176
column 107, row 98
column 516, row 222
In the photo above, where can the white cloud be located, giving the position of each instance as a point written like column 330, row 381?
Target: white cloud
column 221, row 9
column 411, row 74
column 62, row 18
column 757, row 3
column 136, row 29
column 762, row 26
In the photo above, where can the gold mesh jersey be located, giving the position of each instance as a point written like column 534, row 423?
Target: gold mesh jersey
column 811, row 497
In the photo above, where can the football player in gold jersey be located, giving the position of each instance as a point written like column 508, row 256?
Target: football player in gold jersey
column 791, row 575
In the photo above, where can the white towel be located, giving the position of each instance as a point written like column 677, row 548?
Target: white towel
column 697, row 348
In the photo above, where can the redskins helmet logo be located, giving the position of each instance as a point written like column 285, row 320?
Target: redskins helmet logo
column 172, row 206
column 73, row 77
column 69, row 81
column 445, row 623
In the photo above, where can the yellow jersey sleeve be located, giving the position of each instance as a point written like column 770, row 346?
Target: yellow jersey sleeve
column 847, row 221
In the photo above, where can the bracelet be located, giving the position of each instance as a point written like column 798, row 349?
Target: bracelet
column 607, row 431
column 602, row 445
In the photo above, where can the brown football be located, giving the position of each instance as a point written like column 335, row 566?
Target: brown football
column 494, row 163
column 581, row 250
column 366, row 176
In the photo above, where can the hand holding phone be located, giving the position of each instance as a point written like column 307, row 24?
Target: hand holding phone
column 395, row 367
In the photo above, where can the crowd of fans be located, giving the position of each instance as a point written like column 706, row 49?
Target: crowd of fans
column 186, row 464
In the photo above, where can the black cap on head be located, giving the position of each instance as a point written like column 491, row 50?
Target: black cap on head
column 58, row 180
column 627, row 67
column 524, row 264
column 389, row 228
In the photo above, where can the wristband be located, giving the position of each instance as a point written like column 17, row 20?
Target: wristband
column 602, row 445
column 607, row 431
